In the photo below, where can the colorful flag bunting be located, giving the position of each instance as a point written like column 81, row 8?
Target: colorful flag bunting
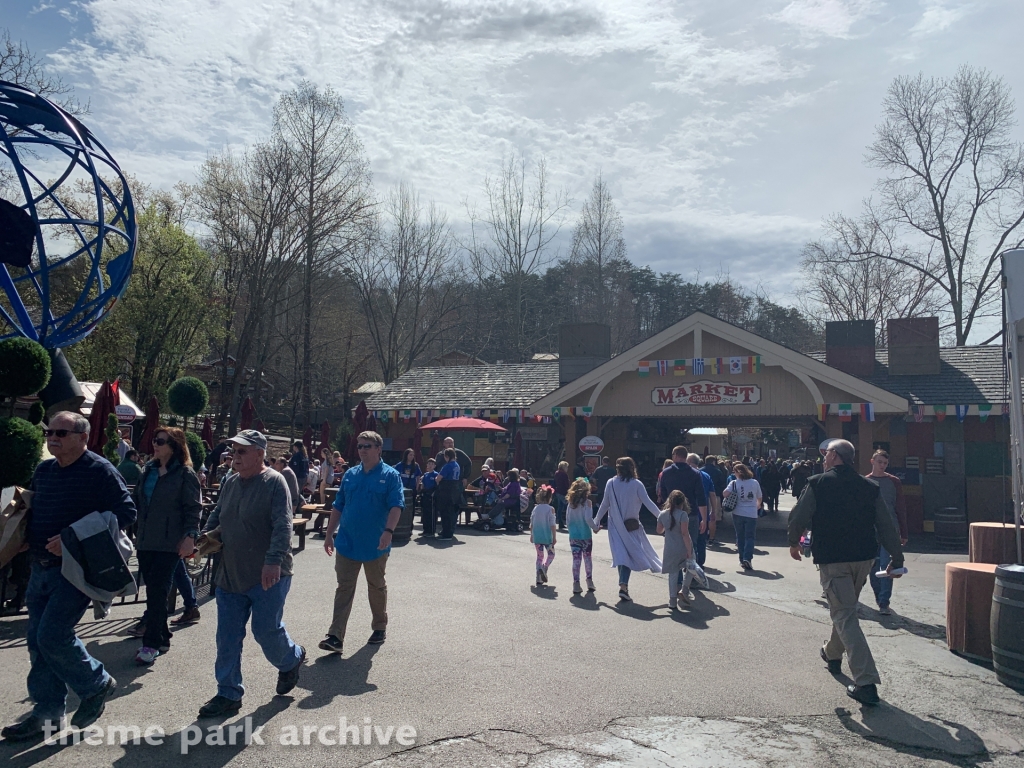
column 663, row 367
column 735, row 365
column 845, row 411
column 961, row 412
column 556, row 412
column 754, row 364
column 698, row 366
column 867, row 411
column 679, row 367
column 940, row 412
column 822, row 411
column 587, row 411
column 643, row 368
column 983, row 411
column 918, row 413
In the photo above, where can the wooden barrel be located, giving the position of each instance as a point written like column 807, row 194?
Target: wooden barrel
column 404, row 528
column 951, row 528
column 1008, row 626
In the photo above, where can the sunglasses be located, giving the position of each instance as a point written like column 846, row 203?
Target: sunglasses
column 61, row 432
column 365, row 446
column 160, row 441
column 241, row 451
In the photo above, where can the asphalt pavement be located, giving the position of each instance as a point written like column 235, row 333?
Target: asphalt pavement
column 485, row 668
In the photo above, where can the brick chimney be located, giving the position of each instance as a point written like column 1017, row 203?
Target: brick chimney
column 913, row 346
column 582, row 347
column 850, row 346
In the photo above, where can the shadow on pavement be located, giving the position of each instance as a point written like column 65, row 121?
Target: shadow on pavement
column 766, row 575
column 587, row 601
column 894, row 622
column 892, row 727
column 548, row 593
column 330, row 676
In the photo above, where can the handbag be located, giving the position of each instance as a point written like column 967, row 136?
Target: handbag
column 729, row 502
column 631, row 523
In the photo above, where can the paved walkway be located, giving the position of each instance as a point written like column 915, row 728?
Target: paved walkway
column 490, row 670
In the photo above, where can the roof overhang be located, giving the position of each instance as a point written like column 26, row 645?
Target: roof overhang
column 803, row 367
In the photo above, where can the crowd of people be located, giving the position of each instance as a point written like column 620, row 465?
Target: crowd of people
column 858, row 528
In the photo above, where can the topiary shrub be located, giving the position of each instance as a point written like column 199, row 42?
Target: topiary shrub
column 24, row 367
column 196, row 449
column 188, row 396
column 21, row 445
column 36, row 412
column 113, row 440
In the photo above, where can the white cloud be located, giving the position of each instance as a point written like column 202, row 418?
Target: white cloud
column 828, row 18
column 938, row 16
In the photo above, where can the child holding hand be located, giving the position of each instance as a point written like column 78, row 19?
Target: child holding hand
column 579, row 517
column 543, row 529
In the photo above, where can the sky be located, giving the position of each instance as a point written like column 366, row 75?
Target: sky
column 726, row 130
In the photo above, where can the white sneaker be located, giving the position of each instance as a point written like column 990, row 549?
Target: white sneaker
column 146, row 655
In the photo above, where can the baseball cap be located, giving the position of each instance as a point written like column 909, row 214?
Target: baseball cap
column 250, row 437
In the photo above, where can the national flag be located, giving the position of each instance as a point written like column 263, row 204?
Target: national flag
column 546, row 419
column 867, row 411
column 643, row 368
column 754, row 364
column 587, row 411
column 467, row 412
column 679, row 367
column 663, row 367
column 698, row 366
column 961, row 412
column 983, row 411
column 406, row 415
column 940, row 412
column 918, row 413
column 556, row 412
column 822, row 411
column 845, row 411
column 735, row 365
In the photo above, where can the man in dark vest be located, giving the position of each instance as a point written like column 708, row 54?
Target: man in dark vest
column 848, row 519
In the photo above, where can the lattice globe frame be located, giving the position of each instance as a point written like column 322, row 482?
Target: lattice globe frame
column 105, row 236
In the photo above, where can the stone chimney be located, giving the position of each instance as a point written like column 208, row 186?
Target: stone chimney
column 581, row 348
column 914, row 346
column 850, row 346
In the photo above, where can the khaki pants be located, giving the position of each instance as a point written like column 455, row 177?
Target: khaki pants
column 347, row 572
column 842, row 583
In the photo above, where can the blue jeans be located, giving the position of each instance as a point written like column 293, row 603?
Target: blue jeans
column 881, row 587
column 746, row 527
column 624, row 574
column 700, row 540
column 59, row 659
column 183, row 583
column 267, row 609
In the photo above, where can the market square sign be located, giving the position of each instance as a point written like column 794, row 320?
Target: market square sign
column 706, row 392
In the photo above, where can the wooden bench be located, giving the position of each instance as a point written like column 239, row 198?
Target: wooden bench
column 299, row 527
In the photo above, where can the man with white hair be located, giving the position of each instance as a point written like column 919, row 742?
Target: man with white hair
column 254, row 517
column 849, row 518
column 71, row 485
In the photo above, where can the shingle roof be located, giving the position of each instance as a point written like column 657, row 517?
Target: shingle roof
column 967, row 376
column 506, row 385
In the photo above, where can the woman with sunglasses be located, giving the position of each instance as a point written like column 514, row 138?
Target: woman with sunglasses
column 170, row 506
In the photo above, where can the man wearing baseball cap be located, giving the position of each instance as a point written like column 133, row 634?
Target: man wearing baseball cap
column 254, row 516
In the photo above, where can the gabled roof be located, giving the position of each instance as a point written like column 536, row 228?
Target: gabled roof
column 802, row 366
column 967, row 376
column 507, row 385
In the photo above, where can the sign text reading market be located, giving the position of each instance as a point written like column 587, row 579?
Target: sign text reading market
column 707, row 393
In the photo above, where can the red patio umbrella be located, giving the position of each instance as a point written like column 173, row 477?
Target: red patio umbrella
column 464, row 422
column 152, row 422
column 207, row 434
column 325, row 439
column 359, row 424
column 248, row 412
column 102, row 407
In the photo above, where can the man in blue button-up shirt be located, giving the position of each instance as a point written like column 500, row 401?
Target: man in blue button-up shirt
column 366, row 510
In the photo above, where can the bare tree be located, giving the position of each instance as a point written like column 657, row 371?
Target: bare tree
column 953, row 198
column 332, row 194
column 20, row 66
column 524, row 216
column 409, row 281
column 249, row 206
column 597, row 240
column 840, row 286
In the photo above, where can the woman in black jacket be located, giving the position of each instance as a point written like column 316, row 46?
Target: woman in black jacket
column 170, row 505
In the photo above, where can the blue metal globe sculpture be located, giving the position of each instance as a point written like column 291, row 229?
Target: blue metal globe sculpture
column 67, row 223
